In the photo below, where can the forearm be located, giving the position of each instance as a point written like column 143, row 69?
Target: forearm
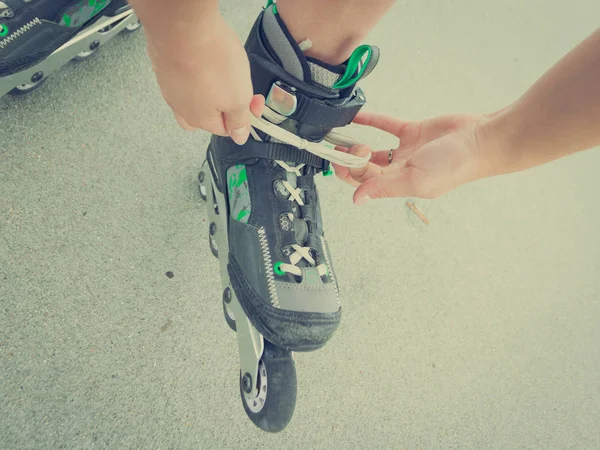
column 559, row 115
column 170, row 25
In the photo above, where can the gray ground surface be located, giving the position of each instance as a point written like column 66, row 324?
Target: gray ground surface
column 478, row 331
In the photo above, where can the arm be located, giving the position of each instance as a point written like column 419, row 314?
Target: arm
column 559, row 115
column 167, row 24
column 200, row 64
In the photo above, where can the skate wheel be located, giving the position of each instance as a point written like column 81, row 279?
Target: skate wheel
column 106, row 29
column 272, row 408
column 85, row 54
column 36, row 81
column 202, row 178
column 212, row 239
column 229, row 317
column 133, row 26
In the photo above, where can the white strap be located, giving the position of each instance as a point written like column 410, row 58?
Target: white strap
column 317, row 148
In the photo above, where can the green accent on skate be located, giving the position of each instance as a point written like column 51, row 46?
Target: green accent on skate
column 78, row 14
column 277, row 268
column 240, row 206
column 328, row 172
column 242, row 214
column 269, row 3
column 3, row 30
column 98, row 5
column 237, row 179
column 348, row 79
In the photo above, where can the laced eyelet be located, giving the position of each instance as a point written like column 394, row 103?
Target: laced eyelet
column 277, row 268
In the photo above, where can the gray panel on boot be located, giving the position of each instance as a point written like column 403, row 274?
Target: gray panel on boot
column 316, row 297
column 278, row 40
column 249, row 256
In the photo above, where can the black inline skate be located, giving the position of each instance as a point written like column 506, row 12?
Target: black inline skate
column 38, row 37
column 279, row 286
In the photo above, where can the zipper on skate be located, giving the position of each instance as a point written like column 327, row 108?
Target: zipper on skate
column 25, row 28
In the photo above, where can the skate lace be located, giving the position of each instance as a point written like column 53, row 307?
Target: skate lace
column 299, row 252
column 321, row 149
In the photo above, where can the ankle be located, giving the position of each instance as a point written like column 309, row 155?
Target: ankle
column 335, row 28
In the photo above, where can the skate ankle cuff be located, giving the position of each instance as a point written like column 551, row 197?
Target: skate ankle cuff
column 323, row 114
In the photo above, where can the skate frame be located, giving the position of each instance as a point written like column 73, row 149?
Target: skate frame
column 250, row 341
column 78, row 44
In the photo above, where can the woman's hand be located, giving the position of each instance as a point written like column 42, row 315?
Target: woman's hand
column 434, row 156
column 204, row 76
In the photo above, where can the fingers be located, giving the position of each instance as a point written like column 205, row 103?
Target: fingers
column 381, row 157
column 237, row 124
column 362, row 174
column 182, row 122
column 257, row 105
column 355, row 176
column 381, row 121
column 343, row 173
column 217, row 125
column 213, row 125
column 385, row 186
column 378, row 165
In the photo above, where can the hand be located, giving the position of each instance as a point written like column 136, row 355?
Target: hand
column 434, row 156
column 204, row 76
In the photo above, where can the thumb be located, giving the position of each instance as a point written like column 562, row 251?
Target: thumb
column 384, row 186
column 257, row 105
column 237, row 124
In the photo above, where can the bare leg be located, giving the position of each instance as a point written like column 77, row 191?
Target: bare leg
column 335, row 27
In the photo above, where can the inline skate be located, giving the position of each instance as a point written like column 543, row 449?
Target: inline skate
column 38, row 37
column 280, row 292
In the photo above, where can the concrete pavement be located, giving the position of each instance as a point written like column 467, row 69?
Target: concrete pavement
column 477, row 331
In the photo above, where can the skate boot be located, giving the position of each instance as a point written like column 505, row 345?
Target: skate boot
column 279, row 287
column 38, row 37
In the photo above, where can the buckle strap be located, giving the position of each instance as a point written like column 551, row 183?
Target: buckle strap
column 320, row 114
column 231, row 153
